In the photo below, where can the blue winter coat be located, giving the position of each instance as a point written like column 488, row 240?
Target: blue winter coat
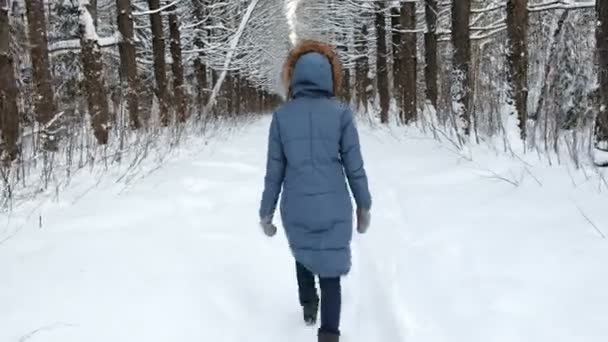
column 313, row 149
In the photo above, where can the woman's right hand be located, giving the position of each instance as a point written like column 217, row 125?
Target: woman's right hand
column 364, row 218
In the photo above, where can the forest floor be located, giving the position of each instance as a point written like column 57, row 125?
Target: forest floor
column 482, row 249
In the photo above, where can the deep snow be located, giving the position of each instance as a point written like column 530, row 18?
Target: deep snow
column 454, row 254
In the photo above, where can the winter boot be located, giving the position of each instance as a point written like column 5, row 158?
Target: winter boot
column 310, row 312
column 328, row 337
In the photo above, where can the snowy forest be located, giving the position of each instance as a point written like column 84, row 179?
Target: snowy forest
column 83, row 80
column 142, row 159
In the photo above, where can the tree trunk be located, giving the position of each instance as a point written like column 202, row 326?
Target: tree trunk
column 93, row 75
column 200, row 69
column 44, row 105
column 381, row 61
column 398, row 62
column 461, row 40
column 228, row 94
column 362, row 67
column 345, row 48
column 93, row 11
column 158, row 45
column 9, row 113
column 410, row 61
column 548, row 66
column 346, row 86
column 601, row 131
column 430, row 46
column 177, row 68
column 238, row 89
column 128, row 63
column 517, row 58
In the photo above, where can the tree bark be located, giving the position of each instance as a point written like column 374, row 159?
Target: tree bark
column 601, row 131
column 346, row 82
column 548, row 66
column 93, row 76
column 44, row 104
column 177, row 68
column 517, row 59
column 461, row 15
column 9, row 113
column 200, row 69
column 381, row 62
column 160, row 74
column 128, row 63
column 410, row 61
column 398, row 62
column 362, row 66
column 93, row 11
column 430, row 45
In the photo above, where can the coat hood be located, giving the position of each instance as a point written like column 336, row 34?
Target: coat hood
column 312, row 67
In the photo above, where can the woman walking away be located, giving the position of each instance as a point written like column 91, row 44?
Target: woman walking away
column 313, row 149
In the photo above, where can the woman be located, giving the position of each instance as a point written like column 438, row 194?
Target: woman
column 313, row 148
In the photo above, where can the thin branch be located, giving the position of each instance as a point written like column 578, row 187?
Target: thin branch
column 591, row 222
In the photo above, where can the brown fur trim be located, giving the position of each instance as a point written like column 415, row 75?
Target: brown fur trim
column 307, row 46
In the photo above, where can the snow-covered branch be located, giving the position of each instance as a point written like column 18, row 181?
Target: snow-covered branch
column 161, row 9
column 562, row 5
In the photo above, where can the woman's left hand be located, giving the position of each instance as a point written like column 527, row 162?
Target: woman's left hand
column 268, row 227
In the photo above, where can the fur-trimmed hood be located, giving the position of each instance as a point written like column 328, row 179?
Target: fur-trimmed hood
column 312, row 66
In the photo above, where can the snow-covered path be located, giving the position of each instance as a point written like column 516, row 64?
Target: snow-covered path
column 453, row 255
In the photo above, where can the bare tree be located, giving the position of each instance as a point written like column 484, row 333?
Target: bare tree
column 559, row 29
column 601, row 130
column 461, row 78
column 517, row 58
column 177, row 67
column 128, row 63
column 398, row 62
column 200, row 69
column 381, row 62
column 93, row 75
column 160, row 73
column 44, row 104
column 410, row 59
column 362, row 66
column 9, row 113
column 430, row 47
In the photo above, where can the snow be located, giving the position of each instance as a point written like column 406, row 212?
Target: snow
column 470, row 248
column 600, row 154
column 87, row 23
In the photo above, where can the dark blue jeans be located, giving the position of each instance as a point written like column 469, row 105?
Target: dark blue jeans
column 331, row 297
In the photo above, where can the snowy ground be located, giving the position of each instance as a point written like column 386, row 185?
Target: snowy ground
column 454, row 253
